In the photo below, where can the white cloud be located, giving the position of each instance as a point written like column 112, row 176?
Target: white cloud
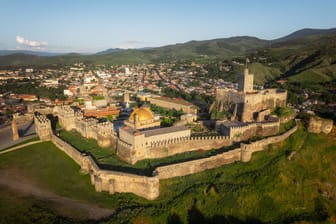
column 30, row 43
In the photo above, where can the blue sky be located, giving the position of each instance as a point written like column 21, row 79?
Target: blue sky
column 91, row 26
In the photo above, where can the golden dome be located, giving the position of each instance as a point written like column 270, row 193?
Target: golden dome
column 144, row 114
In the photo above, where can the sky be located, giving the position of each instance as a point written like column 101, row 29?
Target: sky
column 88, row 26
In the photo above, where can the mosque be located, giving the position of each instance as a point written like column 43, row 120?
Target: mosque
column 142, row 133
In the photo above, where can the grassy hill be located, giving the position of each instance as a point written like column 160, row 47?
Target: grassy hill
column 273, row 187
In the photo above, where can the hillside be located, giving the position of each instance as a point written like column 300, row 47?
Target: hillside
column 272, row 188
column 309, row 59
column 36, row 53
column 305, row 33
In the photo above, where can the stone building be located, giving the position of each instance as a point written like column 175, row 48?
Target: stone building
column 142, row 118
column 71, row 119
column 248, row 110
column 42, row 126
column 174, row 103
column 247, row 104
column 142, row 133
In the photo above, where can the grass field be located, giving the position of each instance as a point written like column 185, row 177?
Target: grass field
column 270, row 188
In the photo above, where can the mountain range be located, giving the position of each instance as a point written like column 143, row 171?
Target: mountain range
column 230, row 46
column 304, row 55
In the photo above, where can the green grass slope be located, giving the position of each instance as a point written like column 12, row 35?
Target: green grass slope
column 263, row 73
column 310, row 59
column 270, row 188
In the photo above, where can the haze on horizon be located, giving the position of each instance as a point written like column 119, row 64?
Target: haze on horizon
column 92, row 26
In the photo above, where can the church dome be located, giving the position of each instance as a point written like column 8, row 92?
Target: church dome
column 144, row 114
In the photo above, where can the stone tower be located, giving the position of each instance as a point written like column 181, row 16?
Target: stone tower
column 66, row 117
column 105, row 134
column 42, row 127
column 246, row 82
column 15, row 130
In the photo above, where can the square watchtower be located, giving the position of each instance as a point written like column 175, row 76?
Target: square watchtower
column 246, row 82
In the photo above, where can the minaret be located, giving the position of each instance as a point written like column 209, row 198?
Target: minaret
column 126, row 97
column 15, row 130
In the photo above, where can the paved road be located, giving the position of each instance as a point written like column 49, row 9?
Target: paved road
column 26, row 131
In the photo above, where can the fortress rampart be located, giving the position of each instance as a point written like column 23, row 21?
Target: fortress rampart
column 239, row 131
column 243, row 153
column 181, row 145
column 111, row 181
column 87, row 127
column 42, row 126
column 169, row 147
column 248, row 149
column 196, row 166
column 148, row 187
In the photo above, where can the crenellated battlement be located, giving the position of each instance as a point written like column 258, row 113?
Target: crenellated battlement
column 42, row 126
column 105, row 128
column 65, row 109
column 79, row 115
column 240, row 131
column 167, row 142
column 41, row 119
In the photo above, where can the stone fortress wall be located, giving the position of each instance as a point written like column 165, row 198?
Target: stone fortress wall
column 162, row 149
column 318, row 125
column 259, row 101
column 171, row 143
column 42, row 126
column 148, row 187
column 244, row 131
column 151, row 147
column 111, row 181
column 243, row 153
column 248, row 149
column 87, row 127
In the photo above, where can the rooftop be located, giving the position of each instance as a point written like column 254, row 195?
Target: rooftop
column 174, row 100
column 161, row 131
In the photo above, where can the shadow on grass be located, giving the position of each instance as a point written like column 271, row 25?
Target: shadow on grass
column 196, row 217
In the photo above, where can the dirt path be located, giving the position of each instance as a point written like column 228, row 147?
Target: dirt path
column 66, row 207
